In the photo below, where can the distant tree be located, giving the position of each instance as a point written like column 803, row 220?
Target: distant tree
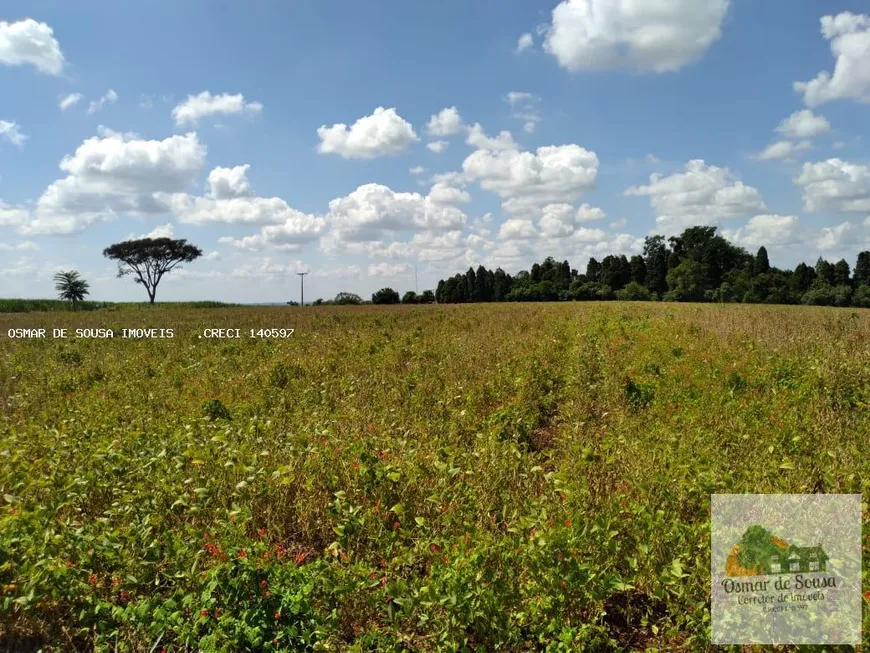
column 347, row 299
column 427, row 297
column 825, row 271
column 842, row 273
column 149, row 259
column 803, row 278
column 634, row 292
column 655, row 254
column 410, row 297
column 762, row 262
column 861, row 296
column 615, row 272
column 638, row 269
column 823, row 294
column 501, row 285
column 862, row 270
column 385, row 296
column 593, row 270
column 71, row 287
column 686, row 282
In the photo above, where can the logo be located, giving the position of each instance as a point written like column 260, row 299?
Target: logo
column 785, row 569
column 759, row 553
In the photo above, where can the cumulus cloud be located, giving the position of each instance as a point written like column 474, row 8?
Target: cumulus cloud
column 269, row 270
column 785, row 150
column 478, row 138
column 804, row 124
column 388, row 270
column 226, row 183
column 196, row 107
column 69, row 101
column 160, row 231
column 528, row 181
column 832, row 238
column 373, row 211
column 525, row 42
column 384, row 132
column 446, row 195
column 517, row 229
column 341, row 272
column 835, row 186
column 97, row 105
column 417, row 170
column 437, row 146
column 640, row 36
column 116, row 173
column 446, row 122
column 766, row 230
column 849, row 35
column 11, row 132
column 24, row 245
column 30, row 42
column 702, row 194
column 561, row 220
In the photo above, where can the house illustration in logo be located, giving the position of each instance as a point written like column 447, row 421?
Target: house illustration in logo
column 759, row 553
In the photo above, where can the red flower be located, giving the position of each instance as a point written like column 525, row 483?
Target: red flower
column 92, row 579
column 263, row 582
column 261, row 532
column 568, row 523
column 242, row 554
column 204, row 613
column 396, row 524
column 277, row 615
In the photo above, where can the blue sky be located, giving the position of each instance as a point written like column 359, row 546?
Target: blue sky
column 236, row 127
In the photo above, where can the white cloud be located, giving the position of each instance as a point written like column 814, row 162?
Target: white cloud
column 69, row 100
column 213, row 256
column 525, row 109
column 446, row 122
column 619, row 224
column 832, row 238
column 389, row 270
column 373, row 210
column 297, row 229
column 561, row 220
column 24, row 245
column 12, row 133
column 702, row 194
column 226, row 183
column 341, row 272
column 782, row 150
column 30, row 42
column 528, row 181
column 478, row 138
column 205, row 104
column 651, row 36
column 525, row 42
column 766, row 230
column 447, row 195
column 97, row 105
column 116, row 173
column 160, row 231
column 417, row 170
column 517, row 229
column 438, row 146
column 269, row 270
column 835, row 185
column 11, row 216
column 849, row 35
column 515, row 97
column 383, row 133
column 804, row 124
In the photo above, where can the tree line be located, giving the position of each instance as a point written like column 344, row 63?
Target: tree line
column 699, row 265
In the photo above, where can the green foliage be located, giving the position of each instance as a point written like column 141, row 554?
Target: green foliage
column 634, row 292
column 71, row 287
column 435, row 478
column 385, row 296
column 214, row 409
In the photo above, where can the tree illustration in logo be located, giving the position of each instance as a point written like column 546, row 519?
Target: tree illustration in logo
column 760, row 553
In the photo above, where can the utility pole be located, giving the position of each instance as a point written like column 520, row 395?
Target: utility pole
column 302, row 288
column 416, row 288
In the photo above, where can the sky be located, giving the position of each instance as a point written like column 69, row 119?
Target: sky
column 392, row 143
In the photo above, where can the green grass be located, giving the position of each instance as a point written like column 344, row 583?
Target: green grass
column 499, row 477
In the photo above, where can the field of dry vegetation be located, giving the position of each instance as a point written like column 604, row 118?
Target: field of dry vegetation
column 498, row 477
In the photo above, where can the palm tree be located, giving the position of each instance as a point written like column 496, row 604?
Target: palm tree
column 70, row 286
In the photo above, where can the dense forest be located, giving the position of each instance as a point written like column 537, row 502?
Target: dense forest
column 697, row 266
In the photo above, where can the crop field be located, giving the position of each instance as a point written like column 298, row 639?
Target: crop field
column 421, row 478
